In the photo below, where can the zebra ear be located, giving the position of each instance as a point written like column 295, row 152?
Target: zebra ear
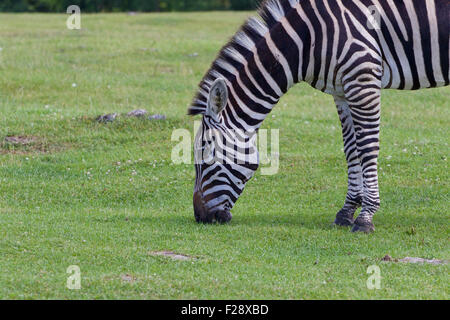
column 218, row 97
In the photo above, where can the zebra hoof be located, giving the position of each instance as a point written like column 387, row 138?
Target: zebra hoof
column 363, row 226
column 343, row 219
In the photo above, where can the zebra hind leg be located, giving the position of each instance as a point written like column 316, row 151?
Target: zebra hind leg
column 353, row 200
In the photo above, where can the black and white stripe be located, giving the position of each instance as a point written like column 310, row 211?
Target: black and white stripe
column 331, row 45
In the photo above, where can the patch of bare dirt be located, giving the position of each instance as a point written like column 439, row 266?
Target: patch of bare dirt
column 27, row 144
column 138, row 113
column 21, row 140
column 421, row 260
column 172, row 255
column 22, row 144
column 415, row 260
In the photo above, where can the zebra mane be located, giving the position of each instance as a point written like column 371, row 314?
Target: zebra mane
column 252, row 31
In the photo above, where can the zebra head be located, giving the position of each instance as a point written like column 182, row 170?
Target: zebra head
column 225, row 158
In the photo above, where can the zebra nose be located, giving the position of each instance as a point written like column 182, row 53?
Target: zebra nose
column 203, row 215
column 200, row 212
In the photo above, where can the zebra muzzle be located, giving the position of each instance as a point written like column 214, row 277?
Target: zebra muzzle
column 203, row 215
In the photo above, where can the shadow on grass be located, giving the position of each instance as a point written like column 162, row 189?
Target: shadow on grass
column 323, row 222
column 263, row 220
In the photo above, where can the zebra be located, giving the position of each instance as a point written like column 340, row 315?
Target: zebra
column 337, row 47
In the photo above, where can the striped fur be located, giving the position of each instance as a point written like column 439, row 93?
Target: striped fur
column 331, row 45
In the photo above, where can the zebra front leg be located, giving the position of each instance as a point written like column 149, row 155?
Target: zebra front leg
column 364, row 106
column 353, row 199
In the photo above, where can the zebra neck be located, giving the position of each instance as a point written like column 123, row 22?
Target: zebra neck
column 261, row 63
column 265, row 58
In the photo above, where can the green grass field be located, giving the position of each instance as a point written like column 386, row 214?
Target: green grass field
column 65, row 200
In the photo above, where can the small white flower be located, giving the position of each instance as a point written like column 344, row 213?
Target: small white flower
column 74, row 85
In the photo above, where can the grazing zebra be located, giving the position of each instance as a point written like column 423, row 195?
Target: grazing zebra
column 337, row 47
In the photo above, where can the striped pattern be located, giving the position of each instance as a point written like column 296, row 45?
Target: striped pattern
column 333, row 46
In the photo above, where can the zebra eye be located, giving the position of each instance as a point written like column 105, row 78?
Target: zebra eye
column 218, row 96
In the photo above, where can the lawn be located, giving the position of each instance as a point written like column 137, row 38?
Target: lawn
column 106, row 197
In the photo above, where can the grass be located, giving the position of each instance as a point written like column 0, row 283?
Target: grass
column 65, row 200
